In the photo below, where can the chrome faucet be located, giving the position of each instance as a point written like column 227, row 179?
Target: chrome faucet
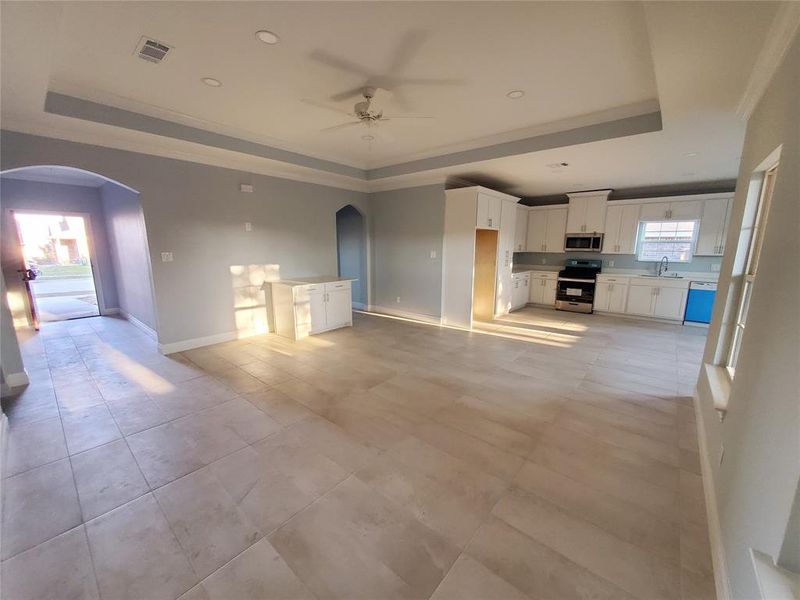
column 663, row 265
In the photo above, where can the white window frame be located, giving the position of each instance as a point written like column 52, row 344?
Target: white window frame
column 692, row 246
column 751, row 269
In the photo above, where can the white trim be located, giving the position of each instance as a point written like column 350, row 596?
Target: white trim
column 679, row 198
column 141, row 325
column 192, row 343
column 404, row 314
column 777, row 42
column 17, row 379
column 721, row 580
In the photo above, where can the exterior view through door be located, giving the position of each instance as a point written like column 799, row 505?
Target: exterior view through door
column 57, row 265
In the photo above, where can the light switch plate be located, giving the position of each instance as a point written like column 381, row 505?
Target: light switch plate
column 248, row 226
column 433, row 253
column 166, row 257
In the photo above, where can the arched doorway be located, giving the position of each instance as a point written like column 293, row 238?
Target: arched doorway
column 83, row 236
column 351, row 246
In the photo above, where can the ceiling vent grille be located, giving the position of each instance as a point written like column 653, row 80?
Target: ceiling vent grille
column 152, row 50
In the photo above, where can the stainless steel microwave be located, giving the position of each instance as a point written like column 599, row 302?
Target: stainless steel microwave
column 583, row 242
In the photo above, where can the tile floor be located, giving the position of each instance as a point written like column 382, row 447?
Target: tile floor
column 550, row 455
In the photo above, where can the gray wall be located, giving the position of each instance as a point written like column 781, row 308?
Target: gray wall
column 756, row 484
column 127, row 241
column 196, row 212
column 33, row 195
column 10, row 359
column 351, row 241
column 621, row 261
column 407, row 225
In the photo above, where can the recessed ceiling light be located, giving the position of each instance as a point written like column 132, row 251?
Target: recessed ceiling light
column 558, row 165
column 210, row 81
column 367, row 138
column 515, row 94
column 267, row 37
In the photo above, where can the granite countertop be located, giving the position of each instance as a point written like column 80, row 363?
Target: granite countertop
column 686, row 275
column 312, row 280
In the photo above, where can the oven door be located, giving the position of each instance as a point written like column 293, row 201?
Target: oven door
column 575, row 290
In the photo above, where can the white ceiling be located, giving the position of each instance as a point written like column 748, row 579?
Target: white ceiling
column 56, row 174
column 573, row 59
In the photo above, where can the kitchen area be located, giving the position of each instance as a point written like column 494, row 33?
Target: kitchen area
column 652, row 258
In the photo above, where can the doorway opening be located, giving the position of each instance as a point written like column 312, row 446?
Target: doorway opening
column 485, row 274
column 351, row 247
column 58, row 268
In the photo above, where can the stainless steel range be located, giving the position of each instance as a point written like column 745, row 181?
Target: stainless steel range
column 576, row 284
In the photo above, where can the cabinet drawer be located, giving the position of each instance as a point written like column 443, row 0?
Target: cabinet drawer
column 337, row 285
column 543, row 275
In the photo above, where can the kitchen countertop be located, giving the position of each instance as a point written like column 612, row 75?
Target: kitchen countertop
column 684, row 275
column 311, row 280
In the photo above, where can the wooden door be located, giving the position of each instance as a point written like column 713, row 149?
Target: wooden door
column 485, row 274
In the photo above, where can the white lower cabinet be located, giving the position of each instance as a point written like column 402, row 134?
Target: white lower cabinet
column 302, row 309
column 543, row 288
column 611, row 295
column 655, row 300
column 519, row 290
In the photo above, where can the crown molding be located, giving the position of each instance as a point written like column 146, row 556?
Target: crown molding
column 777, row 42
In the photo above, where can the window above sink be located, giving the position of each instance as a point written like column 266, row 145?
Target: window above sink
column 673, row 239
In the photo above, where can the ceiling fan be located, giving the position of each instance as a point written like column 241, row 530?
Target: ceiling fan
column 365, row 115
column 392, row 81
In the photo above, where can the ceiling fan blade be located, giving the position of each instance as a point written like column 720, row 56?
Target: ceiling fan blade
column 406, row 117
column 352, row 93
column 381, row 134
column 427, row 81
column 330, row 107
column 342, row 126
column 408, row 48
column 337, row 62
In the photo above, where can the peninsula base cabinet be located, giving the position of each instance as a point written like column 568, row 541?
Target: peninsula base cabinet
column 305, row 309
column 543, row 288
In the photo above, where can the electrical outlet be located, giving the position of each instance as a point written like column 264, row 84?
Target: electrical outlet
column 166, row 257
column 248, row 226
column 398, row 299
column 611, row 263
column 715, row 267
column 544, row 261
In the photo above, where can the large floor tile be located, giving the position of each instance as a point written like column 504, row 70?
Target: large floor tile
column 206, row 520
column 136, row 555
column 56, row 569
column 88, row 427
column 353, row 543
column 38, row 505
column 33, row 444
column 107, row 477
column 470, row 579
column 164, row 453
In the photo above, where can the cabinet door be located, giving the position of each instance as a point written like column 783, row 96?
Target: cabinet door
column 521, row 229
column 576, row 216
column 613, row 222
column 482, row 217
column 505, row 256
column 669, row 303
column 595, row 221
column 549, row 295
column 537, row 230
column 723, row 234
column 495, row 212
column 711, row 227
column 602, row 296
column 556, row 230
column 654, row 211
column 628, row 229
column 316, row 302
column 640, row 300
column 618, row 298
column 685, row 211
column 536, row 291
column 338, row 309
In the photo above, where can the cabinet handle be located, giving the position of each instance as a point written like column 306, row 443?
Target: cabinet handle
column 490, row 222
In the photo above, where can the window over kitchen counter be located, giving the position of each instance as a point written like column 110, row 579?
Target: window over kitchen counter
column 673, row 239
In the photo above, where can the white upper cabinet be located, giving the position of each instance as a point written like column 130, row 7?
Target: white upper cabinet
column 521, row 229
column 713, row 227
column 587, row 212
column 489, row 211
column 505, row 257
column 622, row 223
column 685, row 210
column 546, row 229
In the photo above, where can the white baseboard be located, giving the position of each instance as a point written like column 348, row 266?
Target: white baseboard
column 141, row 325
column 405, row 315
column 190, row 344
column 17, row 379
column 721, row 580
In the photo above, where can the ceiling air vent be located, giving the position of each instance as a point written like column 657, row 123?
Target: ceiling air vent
column 151, row 50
